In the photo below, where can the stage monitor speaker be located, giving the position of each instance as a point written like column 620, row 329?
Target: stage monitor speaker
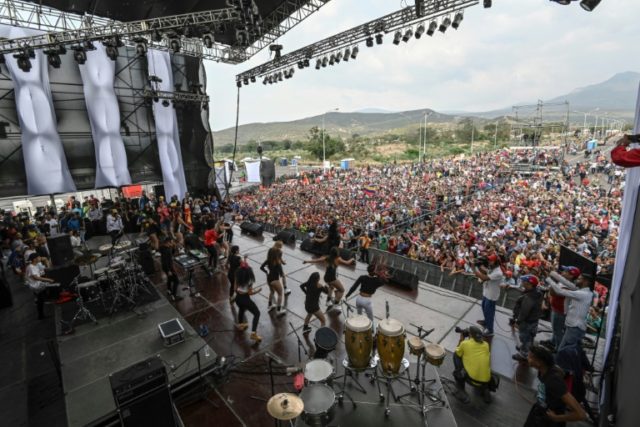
column 288, row 237
column 267, row 172
column 60, row 250
column 347, row 254
column 252, row 228
column 403, row 278
column 64, row 274
column 308, row 245
column 142, row 395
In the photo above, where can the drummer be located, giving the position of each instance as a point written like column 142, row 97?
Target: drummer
column 312, row 288
column 368, row 284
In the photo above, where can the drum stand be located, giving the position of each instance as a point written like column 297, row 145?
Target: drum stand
column 389, row 379
column 83, row 312
column 349, row 374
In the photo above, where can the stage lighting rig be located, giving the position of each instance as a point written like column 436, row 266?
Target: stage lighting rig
column 23, row 59
column 277, row 50
column 347, row 54
column 444, row 24
column 53, row 57
column 141, row 46
column 318, row 63
column 420, row 31
column 457, row 20
column 379, row 38
column 79, row 54
column 433, row 26
column 325, row 61
column 397, row 37
column 174, row 43
column 354, row 52
column 407, row 35
column 589, row 5
column 369, row 42
column 487, row 4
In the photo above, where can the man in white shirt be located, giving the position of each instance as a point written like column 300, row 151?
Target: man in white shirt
column 34, row 278
column 577, row 310
column 492, row 279
column 114, row 226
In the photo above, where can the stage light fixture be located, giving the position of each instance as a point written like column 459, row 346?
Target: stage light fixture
column 306, row 62
column 397, row 37
column 79, row 54
column 589, row 5
column 444, row 25
column 238, row 83
column 265, row 81
column 354, row 52
column 112, row 52
column 53, row 58
column 369, row 42
column 407, row 35
column 338, row 57
column 253, row 79
column 280, row 76
column 2, row 59
column 325, row 61
column 379, row 38
column 332, row 59
column 318, row 63
column 245, row 81
column 208, row 39
column 141, row 46
column 457, row 20
column 433, row 26
column 23, row 61
column 300, row 65
column 174, row 44
column 420, row 31
column 270, row 80
column 563, row 2
column 291, row 71
column 487, row 4
column 165, row 103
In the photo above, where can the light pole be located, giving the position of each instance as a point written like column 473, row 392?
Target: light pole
column 424, row 150
column 324, row 148
column 495, row 138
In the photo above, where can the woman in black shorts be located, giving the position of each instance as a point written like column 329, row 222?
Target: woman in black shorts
column 331, row 275
column 233, row 263
column 274, row 272
column 312, row 289
column 243, row 286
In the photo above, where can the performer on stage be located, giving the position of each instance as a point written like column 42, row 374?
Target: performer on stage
column 312, row 289
column 233, row 264
column 114, row 226
column 167, row 248
column 332, row 237
column 331, row 275
column 369, row 285
column 277, row 248
column 210, row 242
column 243, row 287
column 274, row 272
column 34, row 278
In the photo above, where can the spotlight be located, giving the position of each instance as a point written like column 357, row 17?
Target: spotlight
column 238, row 83
column 270, row 80
column 589, row 5
column 280, row 76
column 112, row 52
column 347, row 53
column 379, row 38
column 245, row 81
column 265, row 81
column 253, row 79
column 420, row 31
column 165, row 103
column 88, row 45
column 24, row 63
column 306, row 62
column 487, row 4
column 291, row 71
column 407, row 35
column 174, row 44
column 563, row 2
column 325, row 61
column 208, row 39
column 354, row 52
column 457, row 20
column 79, row 54
column 318, row 63
column 338, row 57
column 432, row 28
column 53, row 58
column 444, row 25
column 369, row 41
column 332, row 59
column 300, row 65
column 141, row 46
column 397, row 37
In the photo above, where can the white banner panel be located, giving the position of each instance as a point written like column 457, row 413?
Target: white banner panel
column 44, row 159
column 98, row 77
column 253, row 171
column 167, row 127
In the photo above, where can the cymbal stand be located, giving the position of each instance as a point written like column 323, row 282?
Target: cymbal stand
column 83, row 312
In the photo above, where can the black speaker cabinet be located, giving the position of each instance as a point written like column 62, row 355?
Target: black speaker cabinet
column 142, row 395
column 308, row 245
column 288, row 237
column 60, row 250
column 403, row 279
column 252, row 228
column 158, row 190
column 347, row 254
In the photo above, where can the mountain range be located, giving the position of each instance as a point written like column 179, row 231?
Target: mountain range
column 616, row 95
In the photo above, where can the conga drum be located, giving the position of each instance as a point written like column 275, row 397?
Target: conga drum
column 416, row 346
column 390, row 339
column 358, row 334
column 435, row 354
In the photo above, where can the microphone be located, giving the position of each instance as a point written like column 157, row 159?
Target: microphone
column 275, row 358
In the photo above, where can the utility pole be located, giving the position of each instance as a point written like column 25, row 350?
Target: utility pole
column 473, row 128
column 495, row 138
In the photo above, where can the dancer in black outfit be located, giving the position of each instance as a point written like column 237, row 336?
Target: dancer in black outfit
column 166, row 260
column 274, row 263
column 243, row 286
column 331, row 275
column 368, row 284
column 312, row 289
column 233, row 263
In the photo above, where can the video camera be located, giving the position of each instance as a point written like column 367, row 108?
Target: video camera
column 465, row 332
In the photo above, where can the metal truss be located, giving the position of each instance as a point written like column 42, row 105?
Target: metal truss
column 286, row 16
column 176, row 96
column 397, row 20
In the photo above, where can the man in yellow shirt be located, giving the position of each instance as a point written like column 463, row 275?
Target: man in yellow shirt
column 472, row 361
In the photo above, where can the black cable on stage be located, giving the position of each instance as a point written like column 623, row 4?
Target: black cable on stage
column 235, row 143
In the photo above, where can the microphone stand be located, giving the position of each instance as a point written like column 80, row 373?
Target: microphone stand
column 300, row 345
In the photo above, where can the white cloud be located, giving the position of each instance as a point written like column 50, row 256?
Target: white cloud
column 519, row 50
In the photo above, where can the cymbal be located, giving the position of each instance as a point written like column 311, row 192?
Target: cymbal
column 85, row 259
column 285, row 406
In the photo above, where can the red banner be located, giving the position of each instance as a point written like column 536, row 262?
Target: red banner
column 132, row 191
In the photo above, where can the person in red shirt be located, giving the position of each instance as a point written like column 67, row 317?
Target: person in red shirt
column 210, row 242
column 558, row 313
column 621, row 156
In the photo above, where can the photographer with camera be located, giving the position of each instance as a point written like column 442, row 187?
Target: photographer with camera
column 527, row 312
column 472, row 362
column 488, row 270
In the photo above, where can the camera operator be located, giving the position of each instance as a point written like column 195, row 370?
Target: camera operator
column 489, row 271
column 526, row 313
column 472, row 360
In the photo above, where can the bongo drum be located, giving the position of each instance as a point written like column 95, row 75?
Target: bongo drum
column 390, row 339
column 359, row 341
column 435, row 354
column 416, row 346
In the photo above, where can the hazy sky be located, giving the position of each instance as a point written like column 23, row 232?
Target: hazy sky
column 516, row 51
